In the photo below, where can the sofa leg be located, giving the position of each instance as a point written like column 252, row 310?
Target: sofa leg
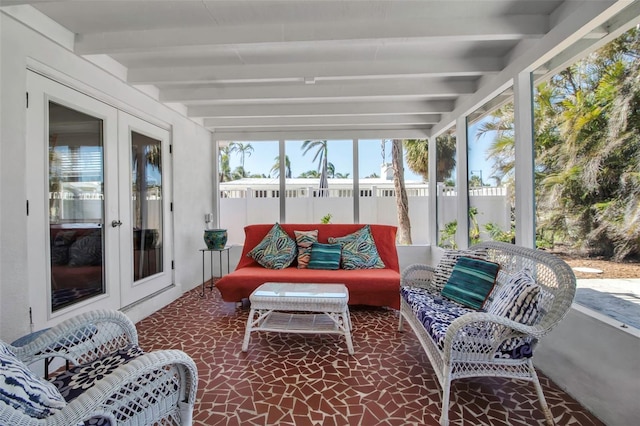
column 446, row 391
column 543, row 402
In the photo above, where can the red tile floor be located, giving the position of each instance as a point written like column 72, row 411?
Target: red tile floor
column 288, row 379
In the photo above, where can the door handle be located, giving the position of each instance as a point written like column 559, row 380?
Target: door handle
column 115, row 223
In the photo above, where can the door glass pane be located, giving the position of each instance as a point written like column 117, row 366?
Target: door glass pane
column 146, row 202
column 76, row 205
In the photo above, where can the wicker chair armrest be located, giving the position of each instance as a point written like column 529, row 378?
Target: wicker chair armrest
column 418, row 275
column 128, row 385
column 82, row 338
column 482, row 333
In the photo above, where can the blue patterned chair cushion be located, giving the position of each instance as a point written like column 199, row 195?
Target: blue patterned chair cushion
column 325, row 256
column 359, row 250
column 471, row 281
column 23, row 390
column 77, row 380
column 277, row 250
column 436, row 314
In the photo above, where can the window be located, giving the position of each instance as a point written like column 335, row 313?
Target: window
column 446, row 200
column 491, row 162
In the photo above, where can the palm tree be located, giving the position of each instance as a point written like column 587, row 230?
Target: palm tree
column 275, row 169
column 243, row 149
column 445, row 156
column 342, row 175
column 417, row 156
column 331, row 170
column 225, row 168
column 310, row 174
column 321, row 150
column 402, row 202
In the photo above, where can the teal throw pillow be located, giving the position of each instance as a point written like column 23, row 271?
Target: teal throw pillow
column 471, row 282
column 359, row 250
column 324, row 256
column 277, row 250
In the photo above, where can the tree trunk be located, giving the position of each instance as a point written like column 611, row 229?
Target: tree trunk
column 402, row 203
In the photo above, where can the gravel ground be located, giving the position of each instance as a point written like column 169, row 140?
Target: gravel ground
column 609, row 269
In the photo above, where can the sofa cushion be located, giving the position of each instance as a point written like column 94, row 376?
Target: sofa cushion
column 277, row 249
column 325, row 256
column 21, row 389
column 436, row 313
column 517, row 299
column 359, row 250
column 372, row 287
column 304, row 239
column 447, row 262
column 471, row 282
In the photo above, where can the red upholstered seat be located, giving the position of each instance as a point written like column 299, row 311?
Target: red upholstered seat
column 374, row 287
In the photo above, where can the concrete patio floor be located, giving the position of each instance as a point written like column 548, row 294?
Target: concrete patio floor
column 616, row 298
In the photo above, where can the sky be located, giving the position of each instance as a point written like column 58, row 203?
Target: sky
column 340, row 154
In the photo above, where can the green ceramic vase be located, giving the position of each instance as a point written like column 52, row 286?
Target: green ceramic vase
column 215, row 239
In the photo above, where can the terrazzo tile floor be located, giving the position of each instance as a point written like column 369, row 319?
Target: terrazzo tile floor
column 293, row 379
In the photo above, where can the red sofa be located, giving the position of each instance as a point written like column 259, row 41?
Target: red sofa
column 373, row 287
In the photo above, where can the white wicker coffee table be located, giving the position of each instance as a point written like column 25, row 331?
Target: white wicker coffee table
column 300, row 308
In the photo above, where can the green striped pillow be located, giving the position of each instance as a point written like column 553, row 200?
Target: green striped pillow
column 471, row 282
column 325, row 256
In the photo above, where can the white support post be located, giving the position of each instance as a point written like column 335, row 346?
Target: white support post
column 283, row 182
column 432, row 231
column 524, row 190
column 215, row 184
column 462, row 183
column 356, row 184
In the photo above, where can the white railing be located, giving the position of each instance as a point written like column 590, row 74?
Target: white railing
column 310, row 192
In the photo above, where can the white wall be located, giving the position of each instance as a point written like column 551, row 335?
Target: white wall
column 597, row 362
column 192, row 167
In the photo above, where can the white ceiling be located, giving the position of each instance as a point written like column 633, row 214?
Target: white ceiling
column 305, row 67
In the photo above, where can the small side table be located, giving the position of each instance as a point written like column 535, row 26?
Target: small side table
column 225, row 249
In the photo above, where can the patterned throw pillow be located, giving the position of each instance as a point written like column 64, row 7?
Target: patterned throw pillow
column 471, row 282
column 359, row 250
column 304, row 239
column 24, row 391
column 447, row 262
column 276, row 250
column 325, row 256
column 517, row 299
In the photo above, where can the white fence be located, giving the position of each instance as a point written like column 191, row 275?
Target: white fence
column 240, row 207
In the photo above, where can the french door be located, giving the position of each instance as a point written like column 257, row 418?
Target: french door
column 99, row 220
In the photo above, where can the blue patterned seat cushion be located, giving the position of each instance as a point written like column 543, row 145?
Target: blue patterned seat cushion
column 75, row 381
column 436, row 313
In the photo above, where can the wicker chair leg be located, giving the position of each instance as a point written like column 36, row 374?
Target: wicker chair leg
column 186, row 414
column 543, row 402
column 446, row 392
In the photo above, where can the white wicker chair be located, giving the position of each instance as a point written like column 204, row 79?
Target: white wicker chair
column 472, row 340
column 154, row 388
